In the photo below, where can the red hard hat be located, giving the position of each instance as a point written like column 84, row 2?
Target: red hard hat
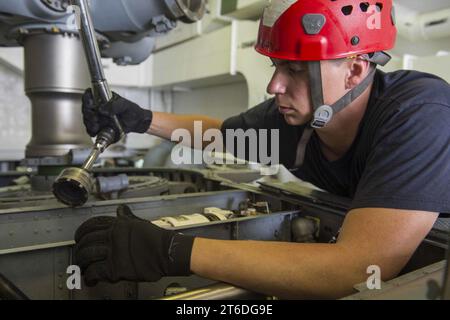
column 314, row 30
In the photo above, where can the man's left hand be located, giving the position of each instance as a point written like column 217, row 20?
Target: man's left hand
column 128, row 248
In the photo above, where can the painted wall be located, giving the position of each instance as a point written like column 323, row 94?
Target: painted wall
column 15, row 115
column 220, row 101
column 439, row 66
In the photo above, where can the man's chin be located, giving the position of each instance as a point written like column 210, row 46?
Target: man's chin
column 293, row 120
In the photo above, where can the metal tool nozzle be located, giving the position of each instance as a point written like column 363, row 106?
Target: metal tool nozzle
column 73, row 187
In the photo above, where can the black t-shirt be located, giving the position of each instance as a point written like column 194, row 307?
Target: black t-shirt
column 401, row 156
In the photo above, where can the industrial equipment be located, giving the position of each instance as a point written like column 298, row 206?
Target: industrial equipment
column 56, row 71
column 74, row 185
column 36, row 235
column 36, row 231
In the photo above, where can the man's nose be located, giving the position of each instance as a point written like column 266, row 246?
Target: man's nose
column 277, row 84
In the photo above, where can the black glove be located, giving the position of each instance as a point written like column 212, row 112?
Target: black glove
column 132, row 117
column 128, row 248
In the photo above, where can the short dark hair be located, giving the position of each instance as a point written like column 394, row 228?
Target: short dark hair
column 340, row 61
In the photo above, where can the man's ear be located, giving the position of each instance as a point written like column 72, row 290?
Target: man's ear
column 358, row 70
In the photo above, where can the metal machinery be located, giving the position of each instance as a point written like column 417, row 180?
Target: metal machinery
column 56, row 73
column 36, row 231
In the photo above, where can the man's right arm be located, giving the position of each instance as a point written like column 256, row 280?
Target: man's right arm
column 133, row 118
column 164, row 124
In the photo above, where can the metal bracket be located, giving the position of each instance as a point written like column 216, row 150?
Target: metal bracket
column 162, row 24
column 56, row 5
column 313, row 23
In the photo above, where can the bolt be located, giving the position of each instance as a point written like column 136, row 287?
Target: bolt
column 123, row 61
column 355, row 40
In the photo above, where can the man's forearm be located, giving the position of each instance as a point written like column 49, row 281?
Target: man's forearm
column 164, row 124
column 286, row 270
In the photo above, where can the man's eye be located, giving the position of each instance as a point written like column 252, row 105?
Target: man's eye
column 296, row 70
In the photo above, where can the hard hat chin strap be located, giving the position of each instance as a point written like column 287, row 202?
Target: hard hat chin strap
column 324, row 113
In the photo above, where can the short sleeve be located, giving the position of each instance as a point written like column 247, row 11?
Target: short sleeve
column 266, row 116
column 409, row 164
column 254, row 118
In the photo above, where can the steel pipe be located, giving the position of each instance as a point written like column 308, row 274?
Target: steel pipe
column 219, row 291
column 56, row 76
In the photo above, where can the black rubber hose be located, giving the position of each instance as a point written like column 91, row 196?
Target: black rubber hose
column 8, row 291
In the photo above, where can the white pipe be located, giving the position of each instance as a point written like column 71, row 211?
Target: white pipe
column 435, row 24
column 408, row 61
column 234, row 36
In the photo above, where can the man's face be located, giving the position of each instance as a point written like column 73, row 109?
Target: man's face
column 290, row 85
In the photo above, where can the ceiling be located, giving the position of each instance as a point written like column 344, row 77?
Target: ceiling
column 423, row 6
column 413, row 38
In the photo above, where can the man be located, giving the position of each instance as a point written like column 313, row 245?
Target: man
column 381, row 139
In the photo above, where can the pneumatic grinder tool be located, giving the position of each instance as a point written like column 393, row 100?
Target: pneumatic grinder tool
column 74, row 185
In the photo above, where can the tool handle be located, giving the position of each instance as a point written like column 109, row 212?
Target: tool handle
column 101, row 91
